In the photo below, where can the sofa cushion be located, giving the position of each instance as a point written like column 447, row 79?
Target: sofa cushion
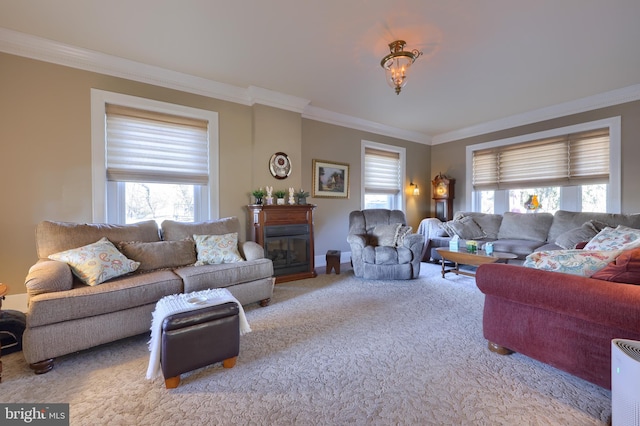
column 114, row 295
column 223, row 275
column 385, row 255
column 569, row 239
column 564, row 221
column 96, row 263
column 525, row 226
column 55, row 237
column 625, row 269
column 521, row 248
column 214, row 249
column 575, row 262
column 176, row 231
column 621, row 237
column 160, row 254
column 465, row 227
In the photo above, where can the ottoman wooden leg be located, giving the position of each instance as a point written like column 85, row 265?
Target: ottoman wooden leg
column 229, row 362
column 172, row 382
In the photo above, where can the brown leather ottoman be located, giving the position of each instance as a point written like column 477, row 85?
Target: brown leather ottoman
column 198, row 338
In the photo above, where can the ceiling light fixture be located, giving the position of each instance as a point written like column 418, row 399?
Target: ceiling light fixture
column 396, row 64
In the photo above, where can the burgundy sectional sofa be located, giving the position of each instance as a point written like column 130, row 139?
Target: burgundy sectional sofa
column 563, row 320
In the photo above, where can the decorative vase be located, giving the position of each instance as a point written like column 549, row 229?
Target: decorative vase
column 269, row 201
column 302, row 200
column 258, row 200
column 280, row 201
column 532, row 203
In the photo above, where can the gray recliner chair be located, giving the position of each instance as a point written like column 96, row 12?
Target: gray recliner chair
column 382, row 245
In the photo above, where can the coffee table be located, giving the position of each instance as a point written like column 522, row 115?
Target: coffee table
column 464, row 257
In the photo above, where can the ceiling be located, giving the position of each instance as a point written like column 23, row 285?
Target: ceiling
column 483, row 60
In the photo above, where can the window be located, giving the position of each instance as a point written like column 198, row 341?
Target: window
column 573, row 168
column 152, row 160
column 383, row 176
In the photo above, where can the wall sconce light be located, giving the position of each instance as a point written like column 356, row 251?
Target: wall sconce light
column 396, row 64
column 416, row 190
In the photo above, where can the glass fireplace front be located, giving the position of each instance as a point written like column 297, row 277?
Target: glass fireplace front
column 288, row 248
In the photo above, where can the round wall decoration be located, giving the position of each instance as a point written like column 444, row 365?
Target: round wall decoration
column 280, row 165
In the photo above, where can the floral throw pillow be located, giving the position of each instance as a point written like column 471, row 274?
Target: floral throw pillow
column 575, row 262
column 96, row 263
column 215, row 249
column 620, row 238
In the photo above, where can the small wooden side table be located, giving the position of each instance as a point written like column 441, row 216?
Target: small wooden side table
column 333, row 261
column 3, row 292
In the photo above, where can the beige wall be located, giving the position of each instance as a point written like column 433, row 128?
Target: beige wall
column 333, row 143
column 276, row 130
column 45, row 155
column 450, row 157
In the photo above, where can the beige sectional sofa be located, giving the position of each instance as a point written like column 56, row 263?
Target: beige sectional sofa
column 66, row 315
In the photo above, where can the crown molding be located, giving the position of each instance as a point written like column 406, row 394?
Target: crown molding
column 42, row 49
column 29, row 46
column 258, row 95
column 319, row 114
column 589, row 103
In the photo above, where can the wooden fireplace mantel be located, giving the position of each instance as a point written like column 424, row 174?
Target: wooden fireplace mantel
column 263, row 220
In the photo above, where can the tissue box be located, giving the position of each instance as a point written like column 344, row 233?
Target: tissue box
column 454, row 245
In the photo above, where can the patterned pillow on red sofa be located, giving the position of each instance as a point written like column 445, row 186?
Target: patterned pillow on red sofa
column 625, row 269
column 575, row 262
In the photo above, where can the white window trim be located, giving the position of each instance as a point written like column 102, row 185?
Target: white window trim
column 402, row 152
column 614, row 193
column 210, row 206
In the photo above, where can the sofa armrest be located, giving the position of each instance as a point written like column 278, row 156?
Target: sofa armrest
column 357, row 240
column 602, row 302
column 415, row 243
column 251, row 250
column 48, row 276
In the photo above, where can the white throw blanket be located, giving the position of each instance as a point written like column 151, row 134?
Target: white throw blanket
column 177, row 303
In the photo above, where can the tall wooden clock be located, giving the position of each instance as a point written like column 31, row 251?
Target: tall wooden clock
column 443, row 195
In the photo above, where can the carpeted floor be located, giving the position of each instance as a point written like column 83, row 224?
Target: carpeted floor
column 333, row 350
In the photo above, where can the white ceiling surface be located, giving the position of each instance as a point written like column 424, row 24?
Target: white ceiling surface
column 483, row 60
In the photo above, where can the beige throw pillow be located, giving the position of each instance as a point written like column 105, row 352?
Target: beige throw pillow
column 401, row 233
column 465, row 228
column 385, row 235
column 160, row 254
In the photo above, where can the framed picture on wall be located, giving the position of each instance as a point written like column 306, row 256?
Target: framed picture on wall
column 330, row 179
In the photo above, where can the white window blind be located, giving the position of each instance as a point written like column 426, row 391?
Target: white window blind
column 147, row 146
column 382, row 171
column 573, row 159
